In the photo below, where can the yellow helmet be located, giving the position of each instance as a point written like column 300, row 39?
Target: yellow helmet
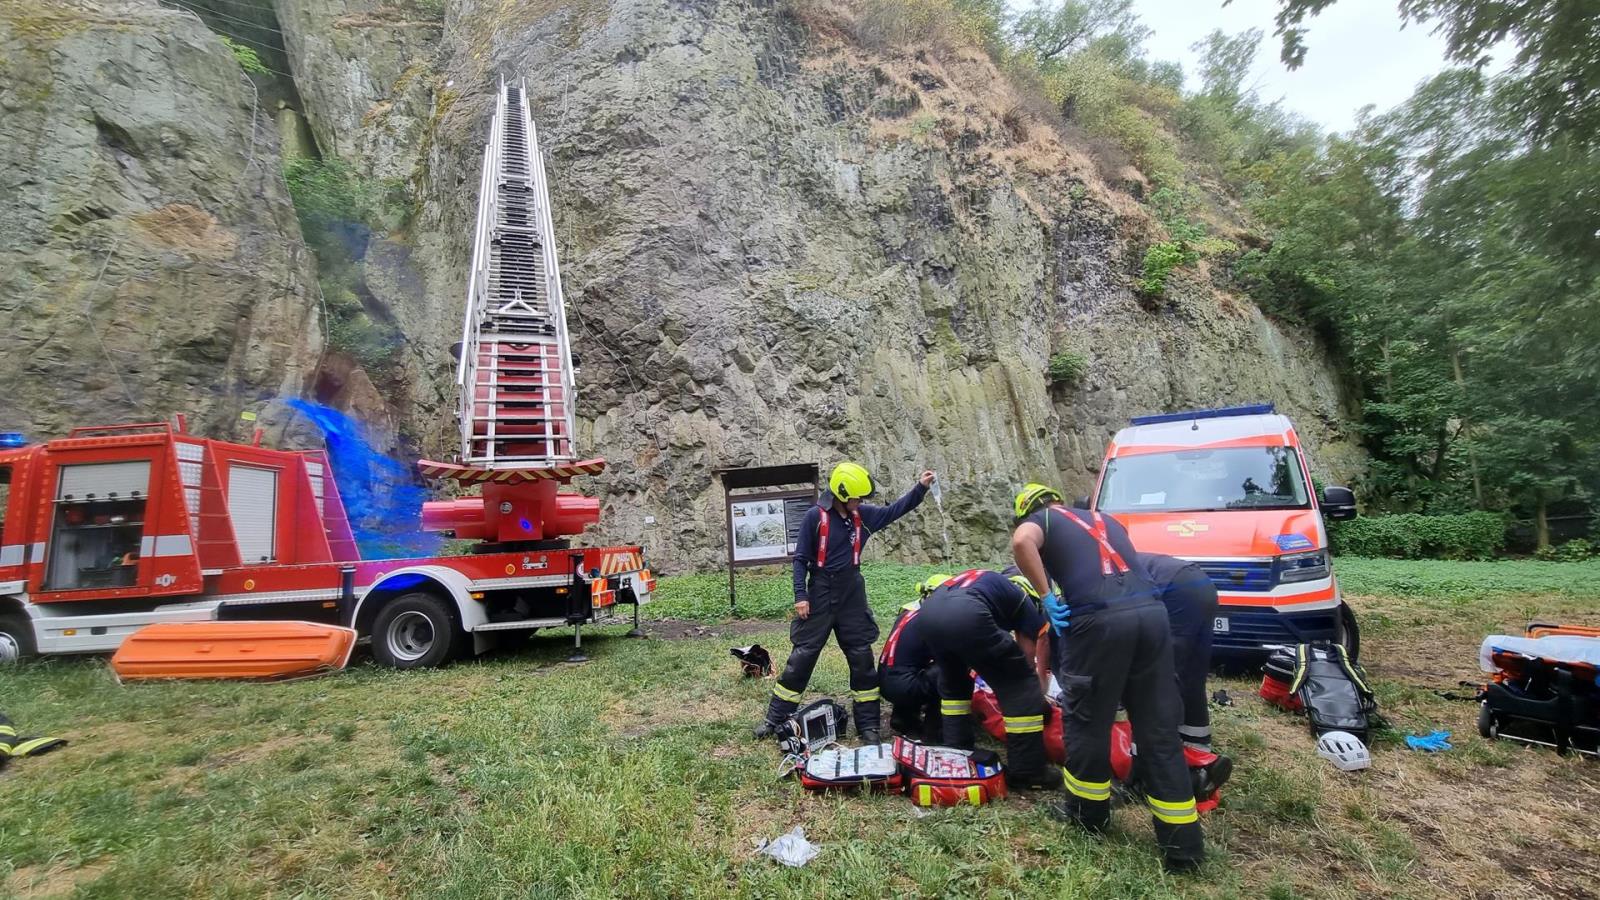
column 1033, row 496
column 850, row 481
column 931, row 584
column 1022, row 581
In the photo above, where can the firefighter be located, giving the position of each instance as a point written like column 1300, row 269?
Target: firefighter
column 907, row 673
column 985, row 622
column 1191, row 601
column 1113, row 645
column 831, row 598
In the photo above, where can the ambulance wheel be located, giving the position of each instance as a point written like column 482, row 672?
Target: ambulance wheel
column 16, row 638
column 415, row 631
column 1486, row 726
column 1349, row 632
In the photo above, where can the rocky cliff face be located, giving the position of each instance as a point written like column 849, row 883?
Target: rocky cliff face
column 777, row 247
column 150, row 260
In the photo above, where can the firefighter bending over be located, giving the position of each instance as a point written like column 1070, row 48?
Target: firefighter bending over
column 969, row 623
column 1191, row 602
column 907, row 671
column 1112, row 645
column 831, row 598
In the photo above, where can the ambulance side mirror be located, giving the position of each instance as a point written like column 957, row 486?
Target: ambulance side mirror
column 1081, row 502
column 1338, row 503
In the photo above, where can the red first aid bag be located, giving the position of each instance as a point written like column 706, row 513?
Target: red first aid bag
column 945, row 776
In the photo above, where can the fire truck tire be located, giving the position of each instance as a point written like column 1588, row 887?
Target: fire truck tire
column 416, row 631
column 16, row 638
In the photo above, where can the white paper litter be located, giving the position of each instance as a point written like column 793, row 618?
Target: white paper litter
column 791, row 849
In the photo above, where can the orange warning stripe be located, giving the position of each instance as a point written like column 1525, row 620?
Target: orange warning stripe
column 470, row 475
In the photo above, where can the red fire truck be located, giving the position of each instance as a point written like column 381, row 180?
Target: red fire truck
column 110, row 529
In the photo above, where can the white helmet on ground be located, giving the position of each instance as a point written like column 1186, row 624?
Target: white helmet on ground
column 1344, row 750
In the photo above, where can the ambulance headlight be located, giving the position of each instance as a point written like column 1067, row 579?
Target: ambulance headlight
column 1310, row 566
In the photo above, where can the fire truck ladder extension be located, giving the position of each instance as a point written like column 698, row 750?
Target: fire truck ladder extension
column 515, row 375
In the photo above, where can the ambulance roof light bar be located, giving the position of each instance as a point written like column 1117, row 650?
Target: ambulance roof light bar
column 1258, row 409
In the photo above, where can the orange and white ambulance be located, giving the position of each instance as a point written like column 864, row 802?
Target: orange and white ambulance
column 1231, row 490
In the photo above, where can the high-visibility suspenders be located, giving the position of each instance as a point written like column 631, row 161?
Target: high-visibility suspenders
column 911, row 610
column 822, row 538
column 1111, row 562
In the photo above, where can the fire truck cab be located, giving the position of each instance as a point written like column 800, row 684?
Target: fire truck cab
column 1231, row 490
column 110, row 529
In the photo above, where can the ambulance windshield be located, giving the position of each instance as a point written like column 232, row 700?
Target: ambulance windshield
column 1217, row 479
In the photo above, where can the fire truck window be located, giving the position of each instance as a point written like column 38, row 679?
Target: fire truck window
column 5, row 498
column 97, row 527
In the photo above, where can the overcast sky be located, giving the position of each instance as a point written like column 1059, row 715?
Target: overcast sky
column 1357, row 52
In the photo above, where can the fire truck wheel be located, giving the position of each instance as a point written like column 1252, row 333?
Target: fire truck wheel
column 415, row 631
column 16, row 638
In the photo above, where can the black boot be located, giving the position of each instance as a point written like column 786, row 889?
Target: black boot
column 779, row 711
column 1093, row 816
column 868, row 715
column 1209, row 778
column 1183, row 847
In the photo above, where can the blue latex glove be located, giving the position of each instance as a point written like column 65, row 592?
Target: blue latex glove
column 1060, row 614
column 1431, row 743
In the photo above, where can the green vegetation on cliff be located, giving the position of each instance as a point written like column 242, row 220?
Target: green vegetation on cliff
column 339, row 213
column 1449, row 250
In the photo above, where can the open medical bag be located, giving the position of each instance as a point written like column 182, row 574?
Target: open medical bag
column 872, row 768
column 945, row 776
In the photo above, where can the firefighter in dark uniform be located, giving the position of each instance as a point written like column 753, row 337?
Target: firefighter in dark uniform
column 1191, row 602
column 1113, row 645
column 985, row 622
column 831, row 598
column 907, row 672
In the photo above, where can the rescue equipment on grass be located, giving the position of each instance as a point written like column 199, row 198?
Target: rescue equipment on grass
column 1326, row 684
column 813, row 727
column 870, row 768
column 946, row 776
column 1344, row 750
column 1544, row 687
column 261, row 651
column 754, row 660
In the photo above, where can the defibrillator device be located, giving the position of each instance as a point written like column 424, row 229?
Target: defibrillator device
column 946, row 776
column 813, row 727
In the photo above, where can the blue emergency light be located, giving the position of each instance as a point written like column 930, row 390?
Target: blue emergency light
column 13, row 439
column 1259, row 409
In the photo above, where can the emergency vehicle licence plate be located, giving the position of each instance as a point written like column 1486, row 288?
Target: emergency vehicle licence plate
column 1220, row 624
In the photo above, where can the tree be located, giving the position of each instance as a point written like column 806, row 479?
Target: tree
column 1225, row 63
column 1050, row 32
column 1557, row 52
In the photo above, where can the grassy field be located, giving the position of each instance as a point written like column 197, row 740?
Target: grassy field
column 633, row 775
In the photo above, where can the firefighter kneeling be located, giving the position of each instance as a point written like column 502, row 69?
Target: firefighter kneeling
column 968, row 623
column 908, row 672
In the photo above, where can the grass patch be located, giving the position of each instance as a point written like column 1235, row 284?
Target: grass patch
column 633, row 776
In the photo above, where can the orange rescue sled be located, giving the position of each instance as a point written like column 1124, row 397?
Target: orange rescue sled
column 259, row 651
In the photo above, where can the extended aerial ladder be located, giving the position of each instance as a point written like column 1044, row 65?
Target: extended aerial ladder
column 515, row 373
